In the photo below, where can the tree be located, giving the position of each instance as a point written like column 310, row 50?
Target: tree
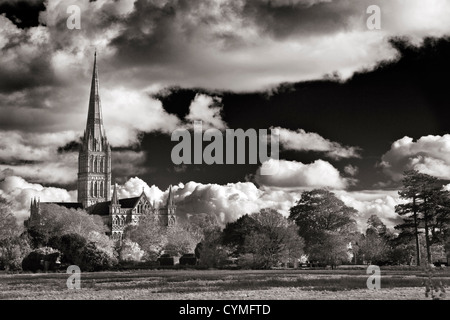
column 274, row 239
column 58, row 220
column 150, row 236
column 12, row 252
column 374, row 222
column 235, row 233
column 13, row 245
column 71, row 246
column 130, row 251
column 199, row 224
column 403, row 248
column 8, row 223
column 211, row 252
column 103, row 243
column 427, row 208
column 180, row 240
column 94, row 259
column 332, row 249
column 375, row 245
column 325, row 223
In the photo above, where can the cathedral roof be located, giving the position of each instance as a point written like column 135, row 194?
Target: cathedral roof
column 129, row 202
column 102, row 208
column 68, row 205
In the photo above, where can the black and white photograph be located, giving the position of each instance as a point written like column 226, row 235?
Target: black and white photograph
column 227, row 150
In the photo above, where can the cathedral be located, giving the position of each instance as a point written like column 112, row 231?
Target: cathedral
column 94, row 180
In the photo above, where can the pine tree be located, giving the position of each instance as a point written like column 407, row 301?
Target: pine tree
column 427, row 208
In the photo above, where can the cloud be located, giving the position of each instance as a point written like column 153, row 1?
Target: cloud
column 372, row 202
column 291, row 3
column 127, row 113
column 229, row 202
column 16, row 145
column 206, row 109
column 35, row 156
column 226, row 202
column 293, row 174
column 20, row 192
column 429, row 155
column 229, row 44
column 128, row 163
column 351, row 170
column 134, row 187
column 300, row 140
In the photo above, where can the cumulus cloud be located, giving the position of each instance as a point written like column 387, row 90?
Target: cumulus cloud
column 206, row 109
column 300, row 140
column 20, row 192
column 226, row 202
column 134, row 187
column 35, row 157
column 351, row 170
column 229, row 202
column 15, row 145
column 293, row 174
column 372, row 202
column 429, row 155
column 127, row 113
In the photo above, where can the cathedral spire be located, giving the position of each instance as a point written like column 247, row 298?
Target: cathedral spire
column 94, row 125
column 170, row 197
column 114, row 197
column 94, row 159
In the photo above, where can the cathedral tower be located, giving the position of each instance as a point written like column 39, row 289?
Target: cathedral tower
column 94, row 159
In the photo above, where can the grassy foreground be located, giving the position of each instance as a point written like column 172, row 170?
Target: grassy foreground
column 220, row 284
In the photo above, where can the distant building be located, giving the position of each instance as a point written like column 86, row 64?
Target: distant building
column 94, row 180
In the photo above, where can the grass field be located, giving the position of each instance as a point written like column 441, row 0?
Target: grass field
column 220, row 284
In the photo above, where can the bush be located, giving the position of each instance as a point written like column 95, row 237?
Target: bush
column 246, row 261
column 12, row 252
column 71, row 247
column 44, row 259
column 130, row 251
column 188, row 259
column 166, row 260
column 94, row 259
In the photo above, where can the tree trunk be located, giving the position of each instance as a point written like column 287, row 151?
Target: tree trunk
column 427, row 236
column 416, row 232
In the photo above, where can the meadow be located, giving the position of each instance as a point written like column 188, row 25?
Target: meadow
column 221, row 284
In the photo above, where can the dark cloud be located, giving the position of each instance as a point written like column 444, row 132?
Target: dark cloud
column 72, row 146
column 300, row 19
column 24, row 14
column 404, row 96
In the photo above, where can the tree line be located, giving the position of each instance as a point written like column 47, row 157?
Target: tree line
column 321, row 230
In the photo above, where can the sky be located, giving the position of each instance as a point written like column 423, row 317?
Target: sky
column 354, row 107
